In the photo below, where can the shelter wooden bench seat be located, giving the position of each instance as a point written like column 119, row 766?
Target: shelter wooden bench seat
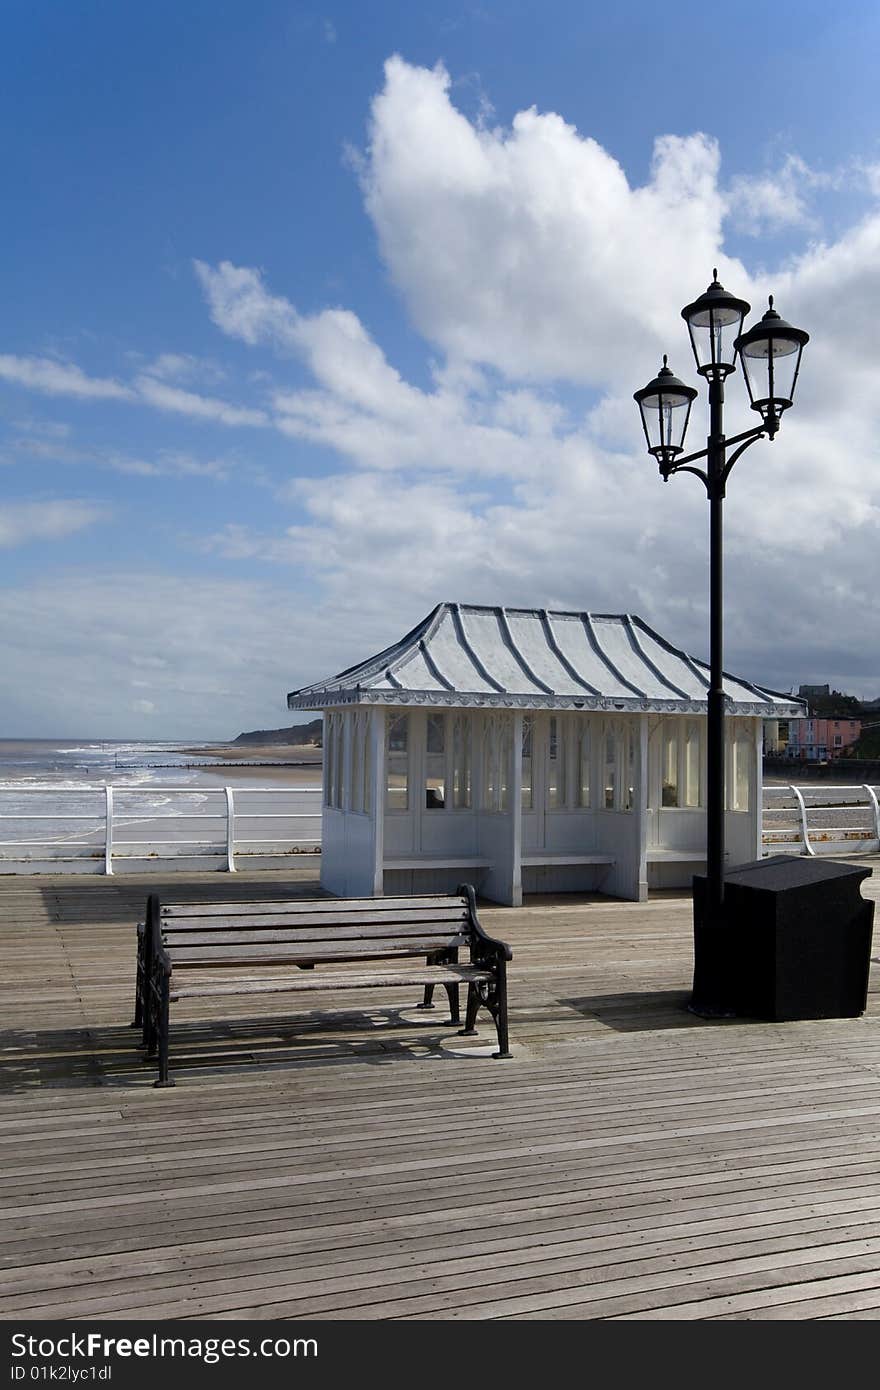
column 236, row 948
column 539, row 858
column 676, row 856
column 437, row 861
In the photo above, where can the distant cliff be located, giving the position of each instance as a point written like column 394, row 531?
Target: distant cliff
column 296, row 736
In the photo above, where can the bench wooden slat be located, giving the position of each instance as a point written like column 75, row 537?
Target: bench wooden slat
column 332, row 906
column 279, row 920
column 212, row 956
column 320, row 935
column 426, row 975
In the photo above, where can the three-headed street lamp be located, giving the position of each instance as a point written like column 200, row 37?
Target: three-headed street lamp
column 770, row 353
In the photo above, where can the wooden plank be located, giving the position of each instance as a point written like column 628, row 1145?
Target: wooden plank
column 427, row 917
column 307, row 906
column 190, row 956
column 227, row 929
column 378, row 979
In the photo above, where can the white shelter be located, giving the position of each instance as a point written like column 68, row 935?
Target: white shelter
column 530, row 751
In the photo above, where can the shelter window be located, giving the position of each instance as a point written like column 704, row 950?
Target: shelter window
column 692, row 777
column 328, row 759
column 682, row 763
column 670, row 764
column 618, row 747
column 556, row 757
column 461, row 761
column 585, row 761
column 334, row 760
column 397, row 762
column 497, row 759
column 609, row 774
column 360, row 762
column 528, row 731
column 435, row 762
column 629, row 791
column 741, row 754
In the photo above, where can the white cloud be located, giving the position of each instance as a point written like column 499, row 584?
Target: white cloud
column 173, row 398
column 183, row 366
column 773, row 200
column 150, row 387
column 526, row 248
column 786, row 196
column 23, row 522
column 59, row 379
column 165, row 463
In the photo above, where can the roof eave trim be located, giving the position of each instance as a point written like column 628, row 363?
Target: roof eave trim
column 331, row 698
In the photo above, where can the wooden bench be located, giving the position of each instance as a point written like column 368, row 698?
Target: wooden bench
column 229, row 943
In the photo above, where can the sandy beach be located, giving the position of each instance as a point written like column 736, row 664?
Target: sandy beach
column 297, row 765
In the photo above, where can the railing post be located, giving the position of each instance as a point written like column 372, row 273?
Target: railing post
column 804, row 831
column 108, row 830
column 872, row 797
column 230, row 830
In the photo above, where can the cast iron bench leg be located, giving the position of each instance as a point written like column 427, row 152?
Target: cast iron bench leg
column 427, row 1001
column 500, row 1013
column 164, row 1079
column 454, row 1008
column 470, row 1016
column 138, row 1019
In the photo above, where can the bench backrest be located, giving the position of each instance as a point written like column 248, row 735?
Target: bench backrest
column 315, row 930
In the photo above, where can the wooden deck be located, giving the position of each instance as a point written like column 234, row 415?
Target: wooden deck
column 631, row 1161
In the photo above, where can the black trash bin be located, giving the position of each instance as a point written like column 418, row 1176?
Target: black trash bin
column 795, row 941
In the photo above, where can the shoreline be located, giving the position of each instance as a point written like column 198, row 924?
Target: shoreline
column 294, row 764
column 279, row 754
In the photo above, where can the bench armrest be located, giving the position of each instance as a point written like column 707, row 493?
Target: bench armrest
column 484, row 944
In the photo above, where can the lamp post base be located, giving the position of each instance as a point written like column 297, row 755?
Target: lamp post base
column 715, row 967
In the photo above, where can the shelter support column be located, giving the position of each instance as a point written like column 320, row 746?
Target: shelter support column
column 640, row 808
column 757, row 806
column 516, row 813
column 377, row 798
column 500, row 796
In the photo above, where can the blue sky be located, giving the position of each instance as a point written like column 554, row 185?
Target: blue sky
column 316, row 316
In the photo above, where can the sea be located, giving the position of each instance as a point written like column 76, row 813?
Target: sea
column 53, row 793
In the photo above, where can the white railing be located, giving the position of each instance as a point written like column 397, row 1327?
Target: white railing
column 215, row 829
column 103, row 819
column 821, row 818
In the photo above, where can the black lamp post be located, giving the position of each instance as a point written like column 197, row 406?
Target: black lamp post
column 770, row 354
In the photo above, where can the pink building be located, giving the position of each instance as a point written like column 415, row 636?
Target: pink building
column 821, row 740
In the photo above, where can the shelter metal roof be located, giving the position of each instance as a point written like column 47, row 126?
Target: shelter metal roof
column 466, row 655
